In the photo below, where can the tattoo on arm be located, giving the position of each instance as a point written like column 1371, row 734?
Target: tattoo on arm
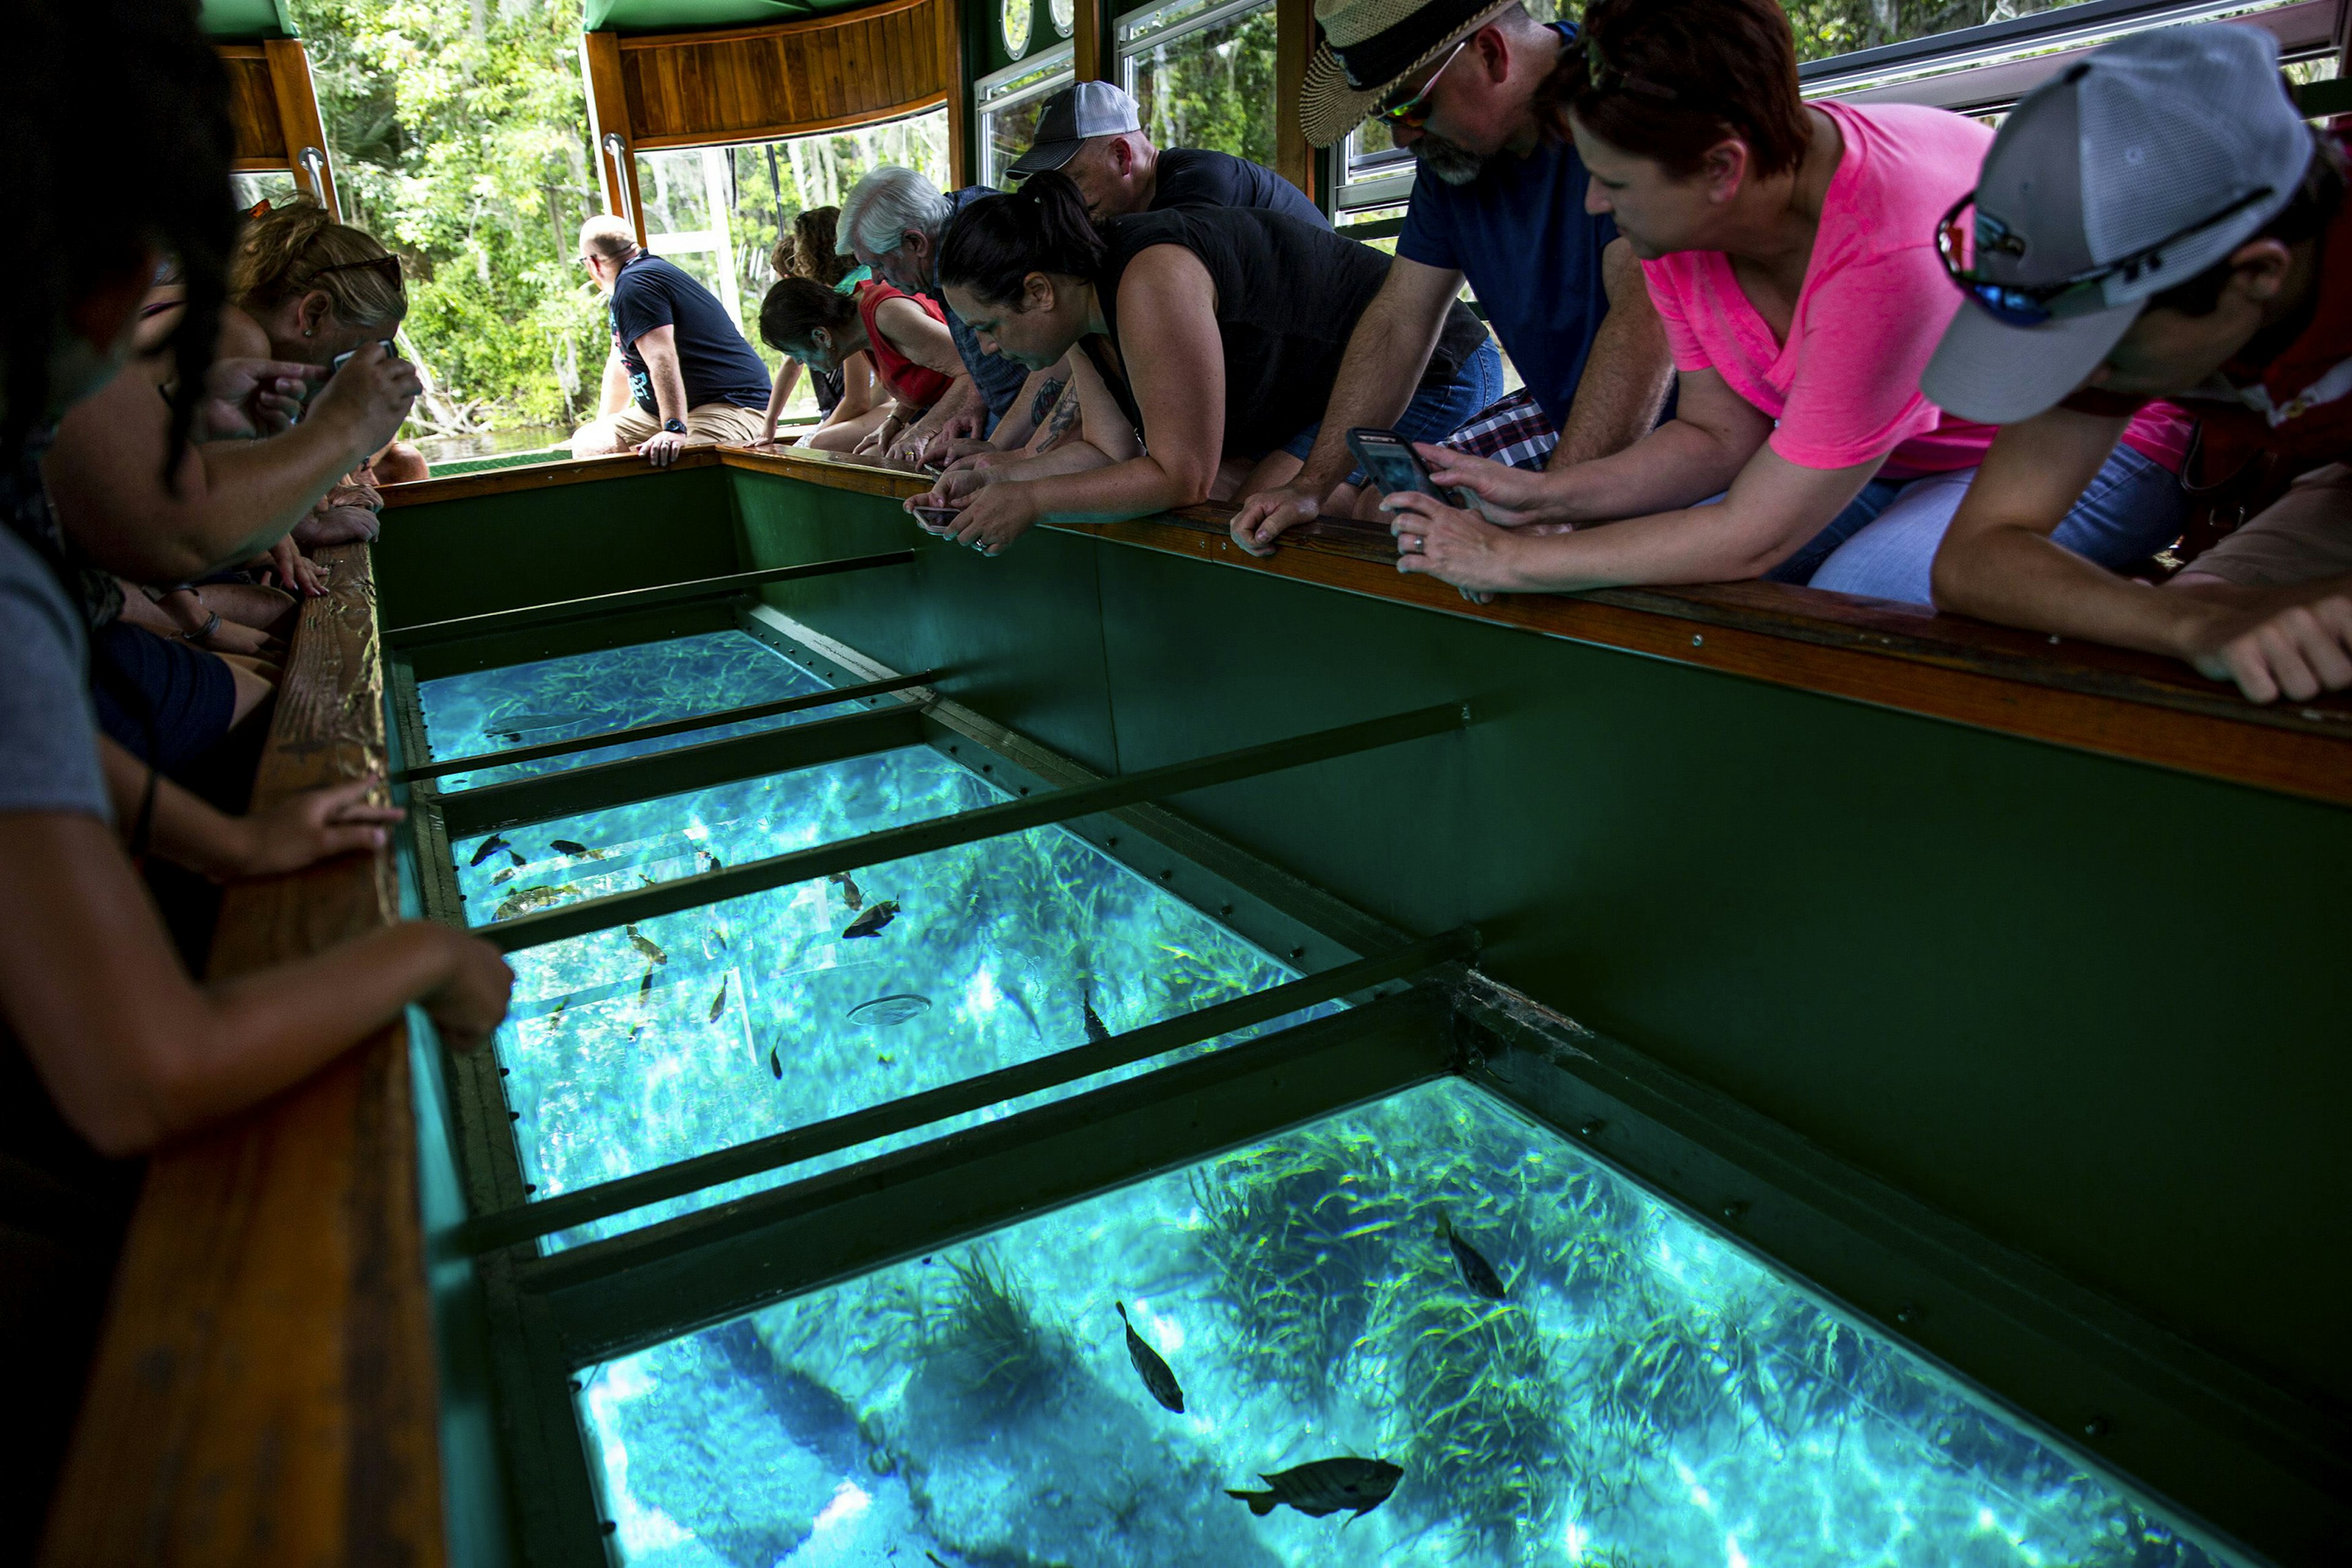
column 1044, row 400
column 1058, row 429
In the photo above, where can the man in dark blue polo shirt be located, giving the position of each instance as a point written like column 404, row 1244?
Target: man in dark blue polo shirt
column 1498, row 201
column 679, row 372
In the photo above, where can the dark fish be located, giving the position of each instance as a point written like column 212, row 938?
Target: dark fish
column 849, row 893
column 1477, row 1272
column 515, row 856
column 718, row 1003
column 490, row 846
column 646, row 983
column 1157, row 1376
column 871, row 922
column 567, row 846
column 721, row 934
column 1096, row 1030
column 1326, row 1487
column 775, row 1062
column 646, row 947
column 934, row 1557
column 715, row 863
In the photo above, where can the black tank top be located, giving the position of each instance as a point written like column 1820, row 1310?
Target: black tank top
column 1288, row 295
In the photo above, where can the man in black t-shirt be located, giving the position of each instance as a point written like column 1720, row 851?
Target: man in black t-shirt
column 1093, row 133
column 679, row 373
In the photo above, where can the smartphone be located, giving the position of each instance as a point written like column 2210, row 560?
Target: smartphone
column 336, row 364
column 1394, row 466
column 936, row 516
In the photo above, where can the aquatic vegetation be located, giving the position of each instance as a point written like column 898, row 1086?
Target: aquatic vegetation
column 987, row 1342
column 1477, row 1413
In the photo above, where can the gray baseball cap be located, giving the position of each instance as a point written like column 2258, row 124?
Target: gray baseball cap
column 2163, row 152
column 1070, row 117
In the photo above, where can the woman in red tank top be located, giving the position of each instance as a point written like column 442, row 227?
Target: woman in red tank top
column 915, row 359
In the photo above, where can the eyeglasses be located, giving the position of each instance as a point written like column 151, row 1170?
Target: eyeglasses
column 2033, row 304
column 1412, row 112
column 386, row 267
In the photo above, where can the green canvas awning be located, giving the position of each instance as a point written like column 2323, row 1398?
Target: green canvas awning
column 239, row 20
column 684, row 15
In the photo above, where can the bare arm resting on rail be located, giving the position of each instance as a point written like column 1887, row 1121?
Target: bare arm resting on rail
column 1997, row 562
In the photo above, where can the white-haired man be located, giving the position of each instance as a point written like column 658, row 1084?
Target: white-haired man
column 892, row 221
column 679, row 373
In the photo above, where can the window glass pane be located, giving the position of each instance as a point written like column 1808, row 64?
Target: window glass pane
column 1590, row 1378
column 271, row 186
column 1213, row 86
column 1826, row 28
column 1009, row 132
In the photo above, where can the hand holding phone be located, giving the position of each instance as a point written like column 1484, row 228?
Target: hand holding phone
column 391, row 350
column 935, row 518
column 1394, row 466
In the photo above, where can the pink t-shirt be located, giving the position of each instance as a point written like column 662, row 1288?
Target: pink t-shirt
column 1845, row 386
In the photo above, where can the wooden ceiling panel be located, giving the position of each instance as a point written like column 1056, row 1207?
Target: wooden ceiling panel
column 691, row 89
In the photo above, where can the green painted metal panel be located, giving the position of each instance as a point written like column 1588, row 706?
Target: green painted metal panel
column 2092, row 1008
column 444, row 559
column 240, row 20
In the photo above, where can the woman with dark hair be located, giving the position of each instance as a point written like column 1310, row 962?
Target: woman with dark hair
column 809, row 251
column 1206, row 338
column 107, row 1046
column 1790, row 251
column 903, row 336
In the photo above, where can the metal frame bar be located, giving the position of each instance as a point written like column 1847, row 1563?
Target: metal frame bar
column 712, row 720
column 623, row 780
column 969, row 827
column 613, row 1297
column 596, row 607
column 2040, row 31
column 492, row 1231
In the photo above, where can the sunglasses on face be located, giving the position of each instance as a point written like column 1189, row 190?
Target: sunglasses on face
column 1412, row 112
column 2033, row 304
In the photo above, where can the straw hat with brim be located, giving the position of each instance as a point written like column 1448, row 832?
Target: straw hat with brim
column 1370, row 45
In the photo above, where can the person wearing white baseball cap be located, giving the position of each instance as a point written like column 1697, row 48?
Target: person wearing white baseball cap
column 2159, row 220
column 1093, row 133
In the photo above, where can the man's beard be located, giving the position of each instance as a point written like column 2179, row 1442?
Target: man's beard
column 1454, row 165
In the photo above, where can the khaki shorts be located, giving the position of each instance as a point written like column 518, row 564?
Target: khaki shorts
column 2307, row 534
column 721, row 423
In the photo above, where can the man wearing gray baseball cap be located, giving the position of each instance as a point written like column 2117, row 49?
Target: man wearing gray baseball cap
column 2159, row 221
column 1093, row 133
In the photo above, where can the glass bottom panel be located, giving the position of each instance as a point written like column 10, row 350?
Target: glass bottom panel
column 488, row 710
column 632, row 1048
column 1352, row 1393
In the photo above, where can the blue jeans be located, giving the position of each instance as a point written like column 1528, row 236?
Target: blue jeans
column 1882, row 545
column 1435, row 412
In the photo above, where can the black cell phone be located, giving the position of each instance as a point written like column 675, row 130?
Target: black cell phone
column 937, row 516
column 1394, row 466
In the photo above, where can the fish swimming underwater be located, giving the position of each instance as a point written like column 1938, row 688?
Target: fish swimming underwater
column 871, row 922
column 1477, row 1272
column 490, row 846
column 647, row 947
column 574, row 847
column 1096, row 1030
column 718, row 1003
column 775, row 1062
column 849, row 893
column 715, row 863
column 517, row 857
column 531, row 899
column 1157, row 1376
column 1326, row 1487
column 506, row 875
column 646, row 983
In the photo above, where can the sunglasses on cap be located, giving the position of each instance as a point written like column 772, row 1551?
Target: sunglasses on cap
column 2033, row 304
column 1412, row 112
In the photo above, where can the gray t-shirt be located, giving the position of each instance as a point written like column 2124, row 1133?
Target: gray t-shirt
column 49, row 739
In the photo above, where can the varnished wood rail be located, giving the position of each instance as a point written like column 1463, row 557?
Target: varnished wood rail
column 266, row 1390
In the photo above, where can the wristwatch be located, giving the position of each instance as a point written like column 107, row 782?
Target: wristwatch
column 675, row 427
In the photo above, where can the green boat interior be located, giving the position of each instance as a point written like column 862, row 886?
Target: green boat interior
column 1976, row 994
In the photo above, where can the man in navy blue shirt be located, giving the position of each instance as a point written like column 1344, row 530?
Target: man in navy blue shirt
column 1499, row 201
column 679, row 372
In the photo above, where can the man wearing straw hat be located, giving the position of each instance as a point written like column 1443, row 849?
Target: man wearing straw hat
column 1464, row 84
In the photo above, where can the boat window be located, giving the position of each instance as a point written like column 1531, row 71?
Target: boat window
column 1009, row 104
column 1202, row 73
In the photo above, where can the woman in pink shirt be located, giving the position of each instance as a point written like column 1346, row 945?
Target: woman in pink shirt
column 1790, row 250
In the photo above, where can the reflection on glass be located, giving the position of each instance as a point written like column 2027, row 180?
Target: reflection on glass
column 1640, row 1394
column 1009, row 132
column 1211, row 87
column 613, row 689
column 1826, row 28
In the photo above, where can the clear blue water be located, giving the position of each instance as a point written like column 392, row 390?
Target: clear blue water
column 629, row 1050
column 1644, row 1395
column 586, row 694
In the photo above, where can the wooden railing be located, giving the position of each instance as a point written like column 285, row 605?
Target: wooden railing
column 265, row 1392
